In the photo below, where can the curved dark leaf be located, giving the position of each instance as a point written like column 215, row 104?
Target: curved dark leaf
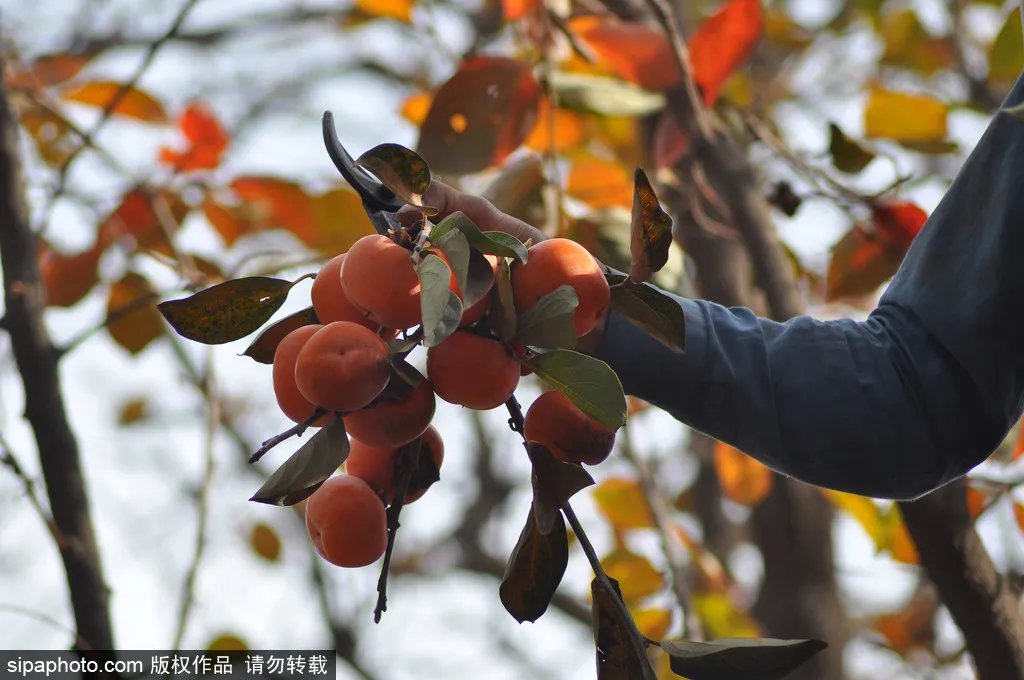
column 503, row 309
column 306, row 469
column 534, row 569
column 554, row 482
column 650, row 230
column 740, row 658
column 263, row 347
column 650, row 309
column 227, row 311
column 619, row 656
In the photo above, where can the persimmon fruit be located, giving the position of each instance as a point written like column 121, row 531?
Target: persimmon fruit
column 379, row 279
column 393, row 422
column 567, row 432
column 557, row 262
column 347, row 522
column 342, row 367
column 473, row 371
column 375, row 465
column 289, row 398
column 330, row 302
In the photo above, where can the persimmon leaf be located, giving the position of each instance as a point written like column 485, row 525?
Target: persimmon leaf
column 549, row 323
column 401, row 170
column 588, row 382
column 308, row 468
column 441, row 307
column 263, row 347
column 535, row 568
column 227, row 311
column 650, row 231
column 739, row 658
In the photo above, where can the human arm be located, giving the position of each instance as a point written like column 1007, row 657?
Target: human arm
column 894, row 406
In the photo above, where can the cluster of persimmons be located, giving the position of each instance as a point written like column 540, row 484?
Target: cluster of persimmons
column 362, row 299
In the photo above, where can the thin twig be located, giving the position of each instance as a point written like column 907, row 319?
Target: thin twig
column 80, row 642
column 119, row 96
column 295, row 430
column 670, row 545
column 115, row 314
column 406, row 463
column 203, row 502
column 7, row 458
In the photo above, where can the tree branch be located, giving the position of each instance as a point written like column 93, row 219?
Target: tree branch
column 979, row 598
column 36, row 358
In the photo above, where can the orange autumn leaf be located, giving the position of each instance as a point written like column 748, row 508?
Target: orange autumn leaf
column 132, row 103
column 146, row 217
column 631, row 50
column 46, row 71
column 743, row 479
column 911, row 627
column 901, row 545
column 1018, row 444
column 399, row 10
column 723, row 43
column 132, row 317
column 517, row 9
column 899, row 221
column 670, row 143
column 621, row 501
column 977, row 501
column 277, row 202
column 568, row 129
column 480, row 115
column 67, row 278
column 600, row 183
column 1018, row 513
column 207, row 141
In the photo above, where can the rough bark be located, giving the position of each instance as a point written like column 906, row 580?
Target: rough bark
column 979, row 598
column 36, row 358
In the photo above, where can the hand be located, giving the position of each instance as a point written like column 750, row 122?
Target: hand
column 488, row 218
column 483, row 213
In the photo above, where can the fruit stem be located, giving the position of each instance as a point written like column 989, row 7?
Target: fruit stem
column 295, row 430
column 406, row 463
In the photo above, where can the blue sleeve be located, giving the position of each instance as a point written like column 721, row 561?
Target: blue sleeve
column 893, row 406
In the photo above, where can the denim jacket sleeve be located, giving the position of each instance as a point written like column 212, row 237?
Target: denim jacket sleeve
column 893, row 406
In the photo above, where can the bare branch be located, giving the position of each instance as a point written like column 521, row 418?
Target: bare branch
column 36, row 358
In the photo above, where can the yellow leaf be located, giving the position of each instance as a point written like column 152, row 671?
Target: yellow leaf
column 621, row 501
column 898, row 542
column 637, row 577
column 600, row 183
column 904, row 117
column 721, row 618
column 744, row 480
column 133, row 103
column 401, row 10
column 265, row 542
column 1006, row 53
column 862, row 509
column 653, row 623
column 132, row 317
column 227, row 643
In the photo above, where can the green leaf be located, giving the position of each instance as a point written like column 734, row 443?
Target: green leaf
column 589, row 383
column 650, row 309
column 479, row 279
column 549, row 323
column 619, row 657
column 308, row 468
column 456, row 250
column 604, row 96
column 402, row 170
column 739, row 658
column 490, row 242
column 534, row 570
column 554, row 483
column 442, row 309
column 503, row 308
column 848, row 156
column 1006, row 52
column 650, row 231
column 263, row 347
column 227, row 311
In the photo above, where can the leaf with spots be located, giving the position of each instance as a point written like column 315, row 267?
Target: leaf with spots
column 480, row 116
column 401, row 170
column 227, row 311
column 651, row 231
column 535, row 568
